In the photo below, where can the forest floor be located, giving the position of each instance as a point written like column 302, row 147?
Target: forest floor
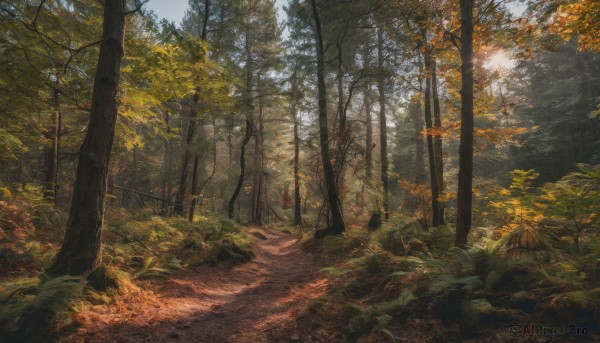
column 252, row 302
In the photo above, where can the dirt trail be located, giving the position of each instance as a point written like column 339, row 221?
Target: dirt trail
column 253, row 302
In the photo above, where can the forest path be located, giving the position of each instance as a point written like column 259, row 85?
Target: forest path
column 252, row 302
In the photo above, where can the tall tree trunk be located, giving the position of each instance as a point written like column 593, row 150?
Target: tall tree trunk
column 437, row 140
column 230, row 145
column 166, row 184
column 435, row 193
column 194, row 187
column 340, row 85
column 52, row 152
column 257, row 189
column 368, row 119
column 214, row 159
column 196, row 155
column 81, row 247
column 133, row 183
column 383, row 127
column 417, row 120
column 183, row 181
column 465, row 162
column 249, row 125
column 297, row 198
column 337, row 221
column 240, row 182
column 369, row 138
column 205, row 21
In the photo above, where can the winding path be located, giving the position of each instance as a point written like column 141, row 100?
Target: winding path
column 253, row 302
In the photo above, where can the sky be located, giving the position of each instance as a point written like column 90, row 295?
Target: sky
column 173, row 10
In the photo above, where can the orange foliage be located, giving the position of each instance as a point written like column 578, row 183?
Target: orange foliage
column 15, row 223
column 499, row 135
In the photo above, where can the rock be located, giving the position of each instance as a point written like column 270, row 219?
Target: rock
column 295, row 338
column 375, row 221
column 174, row 335
column 229, row 251
column 258, row 235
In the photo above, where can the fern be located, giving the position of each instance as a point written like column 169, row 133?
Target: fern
column 32, row 319
column 403, row 299
column 445, row 283
column 159, row 267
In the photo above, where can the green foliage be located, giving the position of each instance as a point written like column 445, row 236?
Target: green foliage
column 522, row 181
column 158, row 267
column 29, row 311
column 10, row 145
column 575, row 200
column 338, row 246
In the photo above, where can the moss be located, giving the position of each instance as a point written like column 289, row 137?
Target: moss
column 104, row 278
column 230, row 251
column 513, row 278
column 416, row 247
column 393, row 241
column 521, row 300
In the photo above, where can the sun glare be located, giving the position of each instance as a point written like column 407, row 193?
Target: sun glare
column 499, row 61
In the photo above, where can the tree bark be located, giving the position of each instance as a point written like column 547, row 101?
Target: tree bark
column 166, row 182
column 437, row 140
column 183, row 181
column 249, row 125
column 257, row 189
column 435, row 193
column 417, row 120
column 369, row 138
column 196, row 155
column 337, row 221
column 52, row 153
column 240, row 182
column 465, row 162
column 297, row 198
column 194, row 187
column 383, row 128
column 81, row 247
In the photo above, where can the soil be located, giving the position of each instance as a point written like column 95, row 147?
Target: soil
column 252, row 302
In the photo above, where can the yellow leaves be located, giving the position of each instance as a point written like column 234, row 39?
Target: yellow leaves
column 435, row 132
column 579, row 19
column 447, row 196
column 504, row 192
column 499, row 135
column 5, row 193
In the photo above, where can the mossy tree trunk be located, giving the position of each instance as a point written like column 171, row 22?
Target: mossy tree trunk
column 81, row 247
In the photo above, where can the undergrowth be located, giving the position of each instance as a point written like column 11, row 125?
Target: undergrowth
column 405, row 279
column 136, row 247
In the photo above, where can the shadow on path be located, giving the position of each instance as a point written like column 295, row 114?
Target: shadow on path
column 253, row 302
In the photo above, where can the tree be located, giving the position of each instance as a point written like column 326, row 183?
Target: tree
column 580, row 19
column 383, row 128
column 337, row 221
column 295, row 98
column 436, row 213
column 437, row 141
column 81, row 247
column 195, row 190
column 465, row 163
